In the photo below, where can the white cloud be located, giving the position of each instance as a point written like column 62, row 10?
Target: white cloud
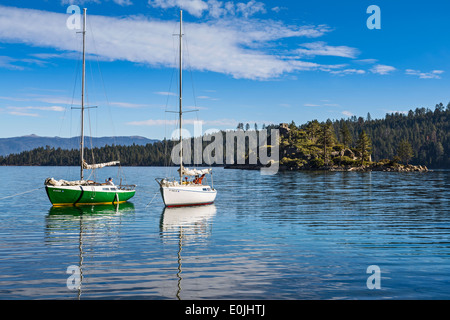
column 347, row 113
column 22, row 110
column 123, row 2
column 82, row 2
column 382, row 69
column 311, row 105
column 23, row 114
column 194, row 7
column 237, row 47
column 278, row 9
column 320, row 48
column 435, row 74
column 165, row 93
column 214, row 8
column 9, row 63
column 160, row 122
column 366, row 61
column 331, row 105
column 45, row 99
column 17, row 64
column 348, row 71
column 126, row 105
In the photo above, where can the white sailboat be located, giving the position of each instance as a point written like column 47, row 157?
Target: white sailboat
column 183, row 192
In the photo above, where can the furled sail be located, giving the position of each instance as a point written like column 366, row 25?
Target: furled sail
column 194, row 172
column 58, row 183
column 99, row 165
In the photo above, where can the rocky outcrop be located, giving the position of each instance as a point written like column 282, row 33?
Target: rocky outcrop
column 383, row 167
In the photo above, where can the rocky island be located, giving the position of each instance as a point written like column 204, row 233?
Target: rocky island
column 314, row 146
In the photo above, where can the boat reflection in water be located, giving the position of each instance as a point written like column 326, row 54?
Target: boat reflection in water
column 99, row 209
column 186, row 224
column 84, row 227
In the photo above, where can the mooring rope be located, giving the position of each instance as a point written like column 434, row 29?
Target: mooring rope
column 151, row 200
column 18, row 194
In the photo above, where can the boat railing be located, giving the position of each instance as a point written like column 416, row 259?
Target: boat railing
column 126, row 186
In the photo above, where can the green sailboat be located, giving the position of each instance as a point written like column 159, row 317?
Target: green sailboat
column 86, row 192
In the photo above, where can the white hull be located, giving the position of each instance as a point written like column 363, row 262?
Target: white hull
column 187, row 195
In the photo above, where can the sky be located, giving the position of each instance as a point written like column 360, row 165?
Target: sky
column 244, row 61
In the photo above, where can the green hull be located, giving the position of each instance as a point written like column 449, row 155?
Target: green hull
column 82, row 195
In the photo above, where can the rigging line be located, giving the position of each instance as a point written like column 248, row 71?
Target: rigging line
column 192, row 84
column 190, row 71
column 77, row 72
column 166, row 161
column 117, row 152
column 75, row 75
column 104, row 90
column 18, row 194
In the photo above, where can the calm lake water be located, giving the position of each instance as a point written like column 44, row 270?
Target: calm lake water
column 296, row 235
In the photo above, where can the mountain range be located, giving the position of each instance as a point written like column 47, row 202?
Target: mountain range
column 29, row 142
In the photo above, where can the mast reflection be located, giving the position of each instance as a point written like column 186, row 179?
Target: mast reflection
column 61, row 222
column 189, row 224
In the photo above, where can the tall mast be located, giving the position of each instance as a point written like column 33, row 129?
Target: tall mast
column 82, row 95
column 181, row 95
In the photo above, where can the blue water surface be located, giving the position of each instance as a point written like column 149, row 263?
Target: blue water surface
column 293, row 235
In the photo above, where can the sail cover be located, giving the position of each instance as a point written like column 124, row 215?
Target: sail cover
column 194, row 172
column 58, row 183
column 99, row 165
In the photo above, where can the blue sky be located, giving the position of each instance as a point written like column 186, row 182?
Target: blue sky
column 245, row 61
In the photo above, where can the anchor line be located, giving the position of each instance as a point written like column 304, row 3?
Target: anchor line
column 18, row 194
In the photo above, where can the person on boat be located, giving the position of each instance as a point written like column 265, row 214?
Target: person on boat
column 198, row 180
column 109, row 181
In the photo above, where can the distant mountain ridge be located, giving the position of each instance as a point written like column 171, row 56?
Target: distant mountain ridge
column 29, row 142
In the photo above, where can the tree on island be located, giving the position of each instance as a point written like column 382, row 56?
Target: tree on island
column 326, row 138
column 313, row 130
column 346, row 135
column 364, row 146
column 405, row 151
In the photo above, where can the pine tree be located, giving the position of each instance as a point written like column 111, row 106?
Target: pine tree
column 405, row 151
column 364, row 146
column 326, row 138
column 346, row 135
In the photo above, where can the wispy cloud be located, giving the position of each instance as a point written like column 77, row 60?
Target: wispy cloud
column 213, row 8
column 311, row 105
column 347, row 113
column 165, row 93
column 52, row 108
column 44, row 99
column 127, row 105
column 382, row 69
column 242, row 48
column 25, row 111
column 23, row 114
column 435, row 74
column 81, row 2
column 348, row 71
column 366, row 61
column 320, row 48
column 159, row 122
column 18, row 64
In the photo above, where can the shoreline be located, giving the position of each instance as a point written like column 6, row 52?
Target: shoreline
column 363, row 168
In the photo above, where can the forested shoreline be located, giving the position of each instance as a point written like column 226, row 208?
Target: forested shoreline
column 420, row 137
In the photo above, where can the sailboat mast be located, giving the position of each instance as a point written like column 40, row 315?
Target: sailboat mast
column 82, row 96
column 181, row 96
